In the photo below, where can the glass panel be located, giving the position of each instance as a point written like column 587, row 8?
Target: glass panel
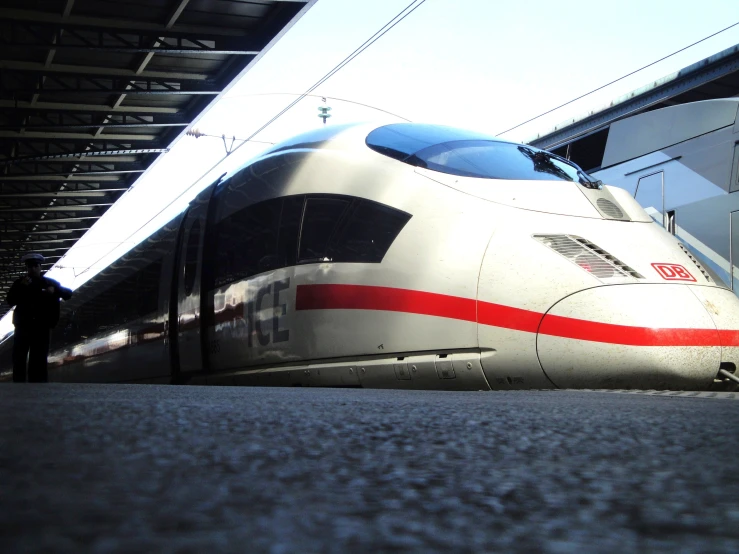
column 368, row 231
column 469, row 154
column 401, row 140
column 191, row 257
column 264, row 236
column 134, row 297
column 321, row 220
column 246, row 242
column 147, row 285
column 735, row 251
column 287, row 247
column 497, row 160
column 649, row 193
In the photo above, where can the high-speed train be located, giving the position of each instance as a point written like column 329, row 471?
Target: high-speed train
column 405, row 256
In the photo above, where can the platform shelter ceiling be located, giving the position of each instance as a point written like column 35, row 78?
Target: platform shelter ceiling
column 93, row 91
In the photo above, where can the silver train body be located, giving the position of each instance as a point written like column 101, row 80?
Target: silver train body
column 682, row 165
column 405, row 256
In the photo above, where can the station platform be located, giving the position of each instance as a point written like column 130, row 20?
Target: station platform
column 135, row 468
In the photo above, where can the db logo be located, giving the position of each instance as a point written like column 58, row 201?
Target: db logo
column 673, row 272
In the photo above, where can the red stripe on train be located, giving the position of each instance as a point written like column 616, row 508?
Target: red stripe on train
column 363, row 297
column 594, row 331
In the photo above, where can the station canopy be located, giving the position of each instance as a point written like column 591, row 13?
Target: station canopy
column 93, row 91
column 583, row 139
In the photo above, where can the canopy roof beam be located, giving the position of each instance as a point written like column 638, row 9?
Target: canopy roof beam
column 26, row 82
column 66, row 106
column 70, row 188
column 30, row 118
column 62, row 69
column 41, row 17
column 45, row 232
column 64, row 35
column 83, row 168
column 54, row 208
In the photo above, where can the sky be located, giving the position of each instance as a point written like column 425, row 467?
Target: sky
column 484, row 65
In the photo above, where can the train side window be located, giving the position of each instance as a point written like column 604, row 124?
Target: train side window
column 297, row 229
column 85, row 320
column 134, row 297
column 246, row 242
column 321, row 220
column 191, row 257
column 147, row 283
column 368, row 231
column 345, row 229
column 287, row 242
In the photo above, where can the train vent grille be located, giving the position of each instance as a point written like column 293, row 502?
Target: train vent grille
column 695, row 261
column 609, row 208
column 589, row 257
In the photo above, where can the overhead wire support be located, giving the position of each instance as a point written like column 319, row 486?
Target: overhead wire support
column 323, row 98
column 323, row 111
column 197, row 133
column 617, row 80
column 405, row 12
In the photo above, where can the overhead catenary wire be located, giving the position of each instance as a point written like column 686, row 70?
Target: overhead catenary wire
column 400, row 16
column 197, row 133
column 617, row 80
column 369, row 42
column 322, row 96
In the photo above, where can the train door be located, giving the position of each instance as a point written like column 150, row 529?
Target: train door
column 188, row 320
column 650, row 193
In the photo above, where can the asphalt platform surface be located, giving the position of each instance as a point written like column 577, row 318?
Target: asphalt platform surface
column 144, row 468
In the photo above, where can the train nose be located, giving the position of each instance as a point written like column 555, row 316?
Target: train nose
column 640, row 336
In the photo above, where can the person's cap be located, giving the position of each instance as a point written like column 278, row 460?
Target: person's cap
column 32, row 257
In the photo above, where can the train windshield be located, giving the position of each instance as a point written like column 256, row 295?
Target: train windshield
column 473, row 155
column 497, row 160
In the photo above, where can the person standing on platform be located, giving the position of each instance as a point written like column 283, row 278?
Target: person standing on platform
column 36, row 300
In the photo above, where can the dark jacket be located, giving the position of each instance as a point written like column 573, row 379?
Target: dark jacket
column 34, row 305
